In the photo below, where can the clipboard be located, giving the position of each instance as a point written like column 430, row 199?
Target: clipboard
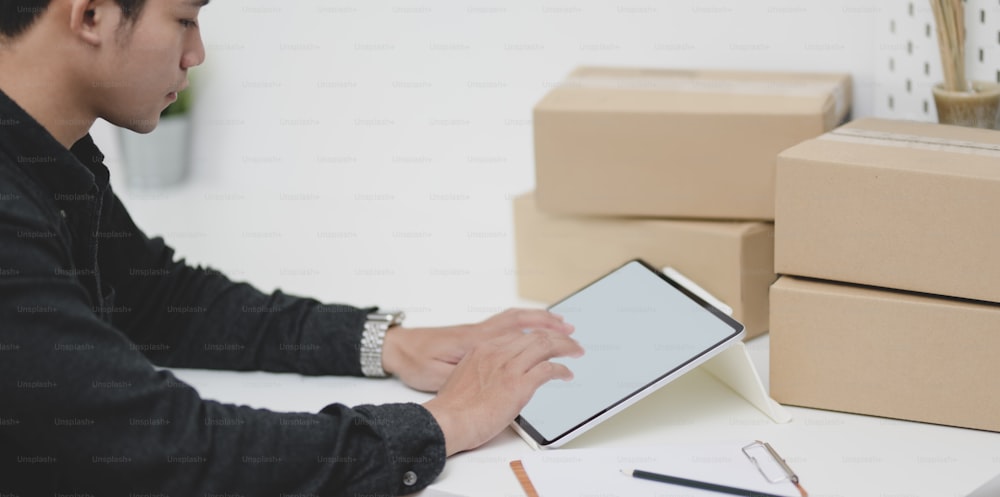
column 756, row 466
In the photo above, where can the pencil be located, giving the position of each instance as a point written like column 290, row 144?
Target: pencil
column 646, row 475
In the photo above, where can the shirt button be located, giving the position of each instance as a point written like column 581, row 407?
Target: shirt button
column 409, row 478
column 63, row 212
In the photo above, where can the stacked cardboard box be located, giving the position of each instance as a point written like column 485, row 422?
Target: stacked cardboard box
column 676, row 167
column 557, row 255
column 912, row 212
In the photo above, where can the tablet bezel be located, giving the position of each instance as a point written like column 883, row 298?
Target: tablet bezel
column 524, row 428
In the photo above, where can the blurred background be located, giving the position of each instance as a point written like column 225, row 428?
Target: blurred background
column 366, row 152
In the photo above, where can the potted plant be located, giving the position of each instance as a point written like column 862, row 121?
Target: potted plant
column 160, row 158
column 958, row 101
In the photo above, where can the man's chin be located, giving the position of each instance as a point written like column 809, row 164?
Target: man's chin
column 142, row 126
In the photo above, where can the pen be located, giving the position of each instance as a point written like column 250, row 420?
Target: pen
column 646, row 475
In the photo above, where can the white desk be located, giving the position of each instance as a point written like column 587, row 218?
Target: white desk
column 835, row 454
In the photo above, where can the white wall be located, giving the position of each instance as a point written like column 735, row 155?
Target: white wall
column 907, row 61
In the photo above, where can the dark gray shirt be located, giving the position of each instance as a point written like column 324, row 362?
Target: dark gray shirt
column 88, row 305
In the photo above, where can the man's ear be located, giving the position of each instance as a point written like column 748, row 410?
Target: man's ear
column 88, row 17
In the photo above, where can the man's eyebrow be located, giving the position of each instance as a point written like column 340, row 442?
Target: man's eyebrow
column 198, row 3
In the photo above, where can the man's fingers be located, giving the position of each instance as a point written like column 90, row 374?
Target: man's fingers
column 541, row 345
column 545, row 372
column 539, row 319
column 535, row 319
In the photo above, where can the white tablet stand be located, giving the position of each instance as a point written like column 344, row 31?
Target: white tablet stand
column 733, row 366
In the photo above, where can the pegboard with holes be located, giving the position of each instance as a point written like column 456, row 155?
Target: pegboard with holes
column 908, row 62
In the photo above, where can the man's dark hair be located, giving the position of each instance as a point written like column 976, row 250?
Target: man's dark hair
column 18, row 15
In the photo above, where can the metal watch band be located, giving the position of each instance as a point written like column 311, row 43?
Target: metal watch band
column 372, row 338
column 371, row 348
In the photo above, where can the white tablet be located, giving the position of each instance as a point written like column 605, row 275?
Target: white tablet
column 640, row 330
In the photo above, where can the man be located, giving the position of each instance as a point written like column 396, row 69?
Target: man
column 87, row 307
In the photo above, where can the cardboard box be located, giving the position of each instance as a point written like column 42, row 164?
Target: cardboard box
column 682, row 144
column 885, row 353
column 895, row 204
column 557, row 255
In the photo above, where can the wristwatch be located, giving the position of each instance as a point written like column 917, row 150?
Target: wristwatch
column 376, row 324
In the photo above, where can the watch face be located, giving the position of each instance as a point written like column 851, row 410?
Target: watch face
column 397, row 318
column 391, row 317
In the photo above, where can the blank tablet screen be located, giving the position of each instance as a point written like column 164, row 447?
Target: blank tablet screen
column 636, row 327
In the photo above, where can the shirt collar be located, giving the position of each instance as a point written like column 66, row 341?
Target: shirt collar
column 39, row 155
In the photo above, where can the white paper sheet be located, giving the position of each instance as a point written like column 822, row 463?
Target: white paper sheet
column 597, row 472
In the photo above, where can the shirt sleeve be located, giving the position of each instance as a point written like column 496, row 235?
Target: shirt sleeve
column 83, row 406
column 195, row 317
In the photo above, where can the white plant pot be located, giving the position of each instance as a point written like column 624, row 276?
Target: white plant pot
column 159, row 158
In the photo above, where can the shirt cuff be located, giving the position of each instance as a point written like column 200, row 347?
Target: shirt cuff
column 415, row 449
column 330, row 343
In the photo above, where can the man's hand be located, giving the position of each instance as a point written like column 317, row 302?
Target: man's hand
column 494, row 381
column 423, row 358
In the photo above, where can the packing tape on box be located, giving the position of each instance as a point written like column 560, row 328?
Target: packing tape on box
column 691, row 82
column 903, row 140
column 702, row 85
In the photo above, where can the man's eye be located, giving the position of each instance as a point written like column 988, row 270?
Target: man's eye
column 188, row 23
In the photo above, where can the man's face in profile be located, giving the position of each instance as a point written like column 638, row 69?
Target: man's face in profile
column 141, row 70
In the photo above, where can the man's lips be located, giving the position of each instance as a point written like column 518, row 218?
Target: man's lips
column 173, row 95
